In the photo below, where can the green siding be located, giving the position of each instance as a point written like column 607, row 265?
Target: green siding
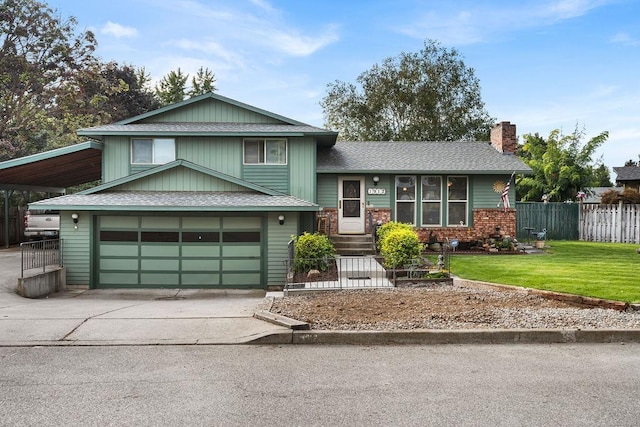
column 116, row 158
column 327, row 190
column 302, row 168
column 275, row 177
column 483, row 194
column 379, row 200
column 278, row 237
column 222, row 154
column 75, row 247
column 211, row 110
column 180, row 179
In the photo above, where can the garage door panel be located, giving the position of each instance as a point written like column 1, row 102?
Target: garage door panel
column 201, row 223
column 241, row 279
column 212, row 265
column 241, row 251
column 119, row 278
column 160, row 251
column 119, row 250
column 200, row 279
column 119, row 264
column 241, row 264
column 242, row 222
column 160, row 264
column 159, row 279
column 201, row 251
column 158, row 222
column 119, row 222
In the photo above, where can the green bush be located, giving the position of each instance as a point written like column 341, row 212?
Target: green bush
column 387, row 228
column 312, row 251
column 399, row 247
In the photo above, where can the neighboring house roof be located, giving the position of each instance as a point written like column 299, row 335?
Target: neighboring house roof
column 417, row 157
column 176, row 201
column 595, row 193
column 627, row 173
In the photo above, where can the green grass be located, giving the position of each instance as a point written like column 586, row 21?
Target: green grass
column 601, row 270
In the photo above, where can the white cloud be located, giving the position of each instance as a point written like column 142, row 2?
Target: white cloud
column 117, row 30
column 296, row 44
column 624, row 39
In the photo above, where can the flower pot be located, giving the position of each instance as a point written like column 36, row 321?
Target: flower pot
column 540, row 244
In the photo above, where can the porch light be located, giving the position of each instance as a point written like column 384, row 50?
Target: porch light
column 74, row 217
column 281, row 219
column 376, row 180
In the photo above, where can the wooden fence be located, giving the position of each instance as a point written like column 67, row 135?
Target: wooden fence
column 561, row 220
column 610, row 223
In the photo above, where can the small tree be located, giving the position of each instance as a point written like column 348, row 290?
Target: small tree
column 387, row 228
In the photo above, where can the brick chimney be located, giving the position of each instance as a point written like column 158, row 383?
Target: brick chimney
column 503, row 137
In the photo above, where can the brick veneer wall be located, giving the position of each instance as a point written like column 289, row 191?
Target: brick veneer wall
column 485, row 222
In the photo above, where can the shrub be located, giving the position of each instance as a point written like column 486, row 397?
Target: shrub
column 312, row 251
column 399, row 247
column 387, row 228
column 628, row 196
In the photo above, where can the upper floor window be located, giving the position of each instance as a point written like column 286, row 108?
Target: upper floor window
column 156, row 151
column 265, row 151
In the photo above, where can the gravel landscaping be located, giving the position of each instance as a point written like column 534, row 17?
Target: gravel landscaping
column 445, row 307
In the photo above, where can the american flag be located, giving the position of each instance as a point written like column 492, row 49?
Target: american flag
column 505, row 194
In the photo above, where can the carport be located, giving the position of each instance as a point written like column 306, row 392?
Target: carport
column 50, row 172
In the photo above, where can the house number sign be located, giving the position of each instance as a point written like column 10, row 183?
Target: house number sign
column 376, row 191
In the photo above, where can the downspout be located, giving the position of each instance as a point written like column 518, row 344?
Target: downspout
column 6, row 219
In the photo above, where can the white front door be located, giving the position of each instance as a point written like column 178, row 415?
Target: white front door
column 351, row 209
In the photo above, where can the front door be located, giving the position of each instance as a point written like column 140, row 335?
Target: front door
column 351, row 210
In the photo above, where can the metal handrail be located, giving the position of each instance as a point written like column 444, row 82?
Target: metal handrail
column 40, row 254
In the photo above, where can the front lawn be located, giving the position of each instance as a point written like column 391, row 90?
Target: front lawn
column 601, row 270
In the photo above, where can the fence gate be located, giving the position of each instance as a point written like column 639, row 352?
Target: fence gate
column 562, row 220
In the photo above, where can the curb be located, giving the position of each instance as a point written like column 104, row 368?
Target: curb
column 436, row 337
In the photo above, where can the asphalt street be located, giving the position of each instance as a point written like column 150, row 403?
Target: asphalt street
column 461, row 385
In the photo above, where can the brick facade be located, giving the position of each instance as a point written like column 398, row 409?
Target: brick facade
column 485, row 225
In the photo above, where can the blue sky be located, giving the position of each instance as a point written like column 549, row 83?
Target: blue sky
column 542, row 64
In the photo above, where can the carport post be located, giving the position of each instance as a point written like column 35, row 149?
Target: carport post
column 6, row 219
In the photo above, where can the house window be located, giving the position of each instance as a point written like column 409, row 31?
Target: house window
column 457, row 194
column 431, row 200
column 406, row 199
column 156, row 151
column 265, row 151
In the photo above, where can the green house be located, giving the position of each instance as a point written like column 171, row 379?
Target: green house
column 209, row 191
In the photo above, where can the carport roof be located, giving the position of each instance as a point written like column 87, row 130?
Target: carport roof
column 54, row 170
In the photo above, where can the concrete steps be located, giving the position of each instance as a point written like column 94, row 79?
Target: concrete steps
column 353, row 245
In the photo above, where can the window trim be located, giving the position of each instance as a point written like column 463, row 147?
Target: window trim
column 465, row 201
column 264, row 151
column 153, row 150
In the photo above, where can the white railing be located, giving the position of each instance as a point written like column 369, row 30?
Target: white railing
column 610, row 223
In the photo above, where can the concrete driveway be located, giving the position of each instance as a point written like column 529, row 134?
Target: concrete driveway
column 126, row 317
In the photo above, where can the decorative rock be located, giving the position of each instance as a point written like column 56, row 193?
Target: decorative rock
column 313, row 273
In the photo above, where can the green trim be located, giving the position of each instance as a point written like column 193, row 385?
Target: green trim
column 186, row 164
column 177, row 208
column 58, row 152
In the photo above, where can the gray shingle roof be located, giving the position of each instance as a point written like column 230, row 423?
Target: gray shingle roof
column 404, row 157
column 202, row 129
column 627, row 173
column 176, row 201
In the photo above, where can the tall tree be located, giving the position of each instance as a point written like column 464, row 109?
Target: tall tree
column 562, row 165
column 203, row 82
column 428, row 95
column 40, row 54
column 172, row 88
